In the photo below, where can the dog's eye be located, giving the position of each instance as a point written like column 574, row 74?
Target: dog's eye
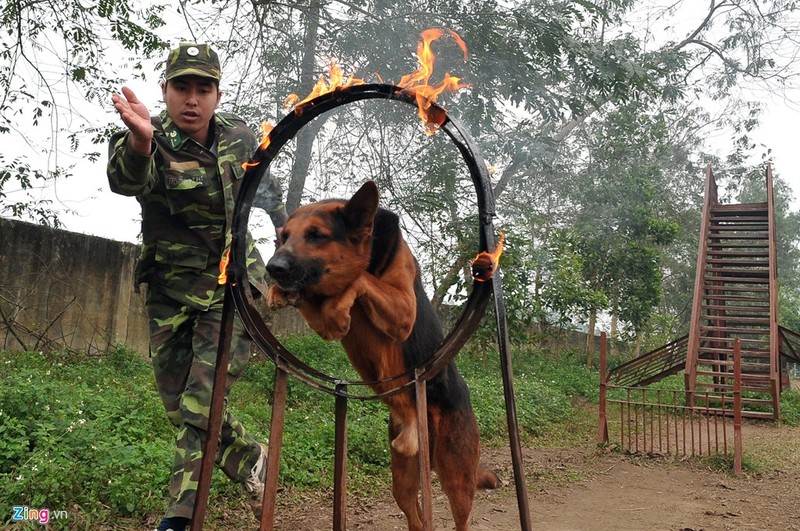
column 315, row 235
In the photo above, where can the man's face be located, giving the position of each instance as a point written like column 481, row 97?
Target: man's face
column 191, row 101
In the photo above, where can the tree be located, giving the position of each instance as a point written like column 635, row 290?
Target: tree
column 52, row 56
column 554, row 86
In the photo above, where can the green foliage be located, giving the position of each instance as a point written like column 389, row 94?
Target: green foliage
column 89, row 435
column 78, row 432
column 790, row 407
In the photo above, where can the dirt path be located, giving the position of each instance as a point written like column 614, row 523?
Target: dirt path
column 581, row 489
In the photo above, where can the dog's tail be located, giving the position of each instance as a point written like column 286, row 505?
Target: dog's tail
column 487, row 479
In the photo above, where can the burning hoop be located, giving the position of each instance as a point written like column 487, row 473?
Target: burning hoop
column 483, row 267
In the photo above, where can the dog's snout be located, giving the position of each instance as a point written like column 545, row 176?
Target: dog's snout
column 278, row 266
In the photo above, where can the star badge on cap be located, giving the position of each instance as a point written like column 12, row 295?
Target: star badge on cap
column 192, row 51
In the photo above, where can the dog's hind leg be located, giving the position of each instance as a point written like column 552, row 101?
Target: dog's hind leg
column 456, row 452
column 405, row 485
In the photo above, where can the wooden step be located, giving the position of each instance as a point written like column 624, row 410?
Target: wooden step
column 713, row 369
column 758, row 244
column 736, row 308
column 738, row 262
column 728, row 353
column 740, row 219
column 722, row 288
column 716, row 228
column 736, row 280
column 755, row 253
column 735, row 320
column 729, row 270
column 735, row 208
column 732, row 339
column 734, row 330
column 738, row 298
column 721, row 387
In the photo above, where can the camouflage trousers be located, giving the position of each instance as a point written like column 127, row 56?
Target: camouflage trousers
column 183, row 344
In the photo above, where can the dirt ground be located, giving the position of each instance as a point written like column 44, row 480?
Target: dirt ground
column 586, row 489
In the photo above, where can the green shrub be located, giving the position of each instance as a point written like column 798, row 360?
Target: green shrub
column 89, row 433
column 790, row 407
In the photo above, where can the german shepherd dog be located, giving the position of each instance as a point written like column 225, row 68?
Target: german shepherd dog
column 348, row 270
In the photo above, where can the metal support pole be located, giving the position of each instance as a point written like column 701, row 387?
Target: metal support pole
column 340, row 461
column 215, row 413
column 511, row 405
column 737, row 407
column 602, row 433
column 275, row 443
column 423, row 453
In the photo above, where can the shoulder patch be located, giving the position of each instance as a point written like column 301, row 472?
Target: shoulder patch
column 229, row 119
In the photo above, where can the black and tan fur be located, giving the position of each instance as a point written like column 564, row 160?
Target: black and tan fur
column 350, row 273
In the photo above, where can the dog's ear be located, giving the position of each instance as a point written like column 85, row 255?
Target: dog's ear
column 360, row 210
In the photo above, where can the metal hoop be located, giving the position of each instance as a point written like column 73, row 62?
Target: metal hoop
column 283, row 132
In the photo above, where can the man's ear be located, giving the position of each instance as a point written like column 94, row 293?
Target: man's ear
column 360, row 210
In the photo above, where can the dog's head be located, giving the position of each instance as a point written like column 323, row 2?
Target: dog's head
column 326, row 245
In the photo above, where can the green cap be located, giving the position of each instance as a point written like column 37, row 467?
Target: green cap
column 190, row 59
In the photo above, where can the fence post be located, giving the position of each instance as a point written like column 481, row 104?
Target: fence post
column 737, row 407
column 602, row 433
column 279, row 394
column 424, row 455
column 340, row 460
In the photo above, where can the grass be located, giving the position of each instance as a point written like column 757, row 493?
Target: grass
column 89, row 435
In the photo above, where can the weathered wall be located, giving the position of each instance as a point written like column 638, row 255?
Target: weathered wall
column 61, row 289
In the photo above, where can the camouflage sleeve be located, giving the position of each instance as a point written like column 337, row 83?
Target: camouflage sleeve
column 129, row 173
column 270, row 198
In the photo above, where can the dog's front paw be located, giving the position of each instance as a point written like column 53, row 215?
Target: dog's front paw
column 277, row 298
column 336, row 326
column 336, row 317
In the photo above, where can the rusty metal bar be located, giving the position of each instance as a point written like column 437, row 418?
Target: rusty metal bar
column 630, row 428
column 279, row 392
column 708, row 428
column 774, row 338
column 214, row 426
column 602, row 431
column 636, row 425
column 660, row 435
column 340, row 460
column 520, row 482
column 424, row 454
column 737, row 407
column 724, row 427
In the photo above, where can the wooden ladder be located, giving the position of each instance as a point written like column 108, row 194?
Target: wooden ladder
column 736, row 297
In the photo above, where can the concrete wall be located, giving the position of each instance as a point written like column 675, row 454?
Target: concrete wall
column 60, row 289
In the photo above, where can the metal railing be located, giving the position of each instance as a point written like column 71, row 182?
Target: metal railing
column 659, row 422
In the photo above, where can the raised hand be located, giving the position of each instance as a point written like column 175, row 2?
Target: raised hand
column 136, row 117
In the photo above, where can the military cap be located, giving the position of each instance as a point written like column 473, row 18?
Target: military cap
column 190, row 59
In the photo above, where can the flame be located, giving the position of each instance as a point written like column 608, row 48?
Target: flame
column 485, row 263
column 336, row 79
column 266, row 127
column 416, row 84
column 222, row 279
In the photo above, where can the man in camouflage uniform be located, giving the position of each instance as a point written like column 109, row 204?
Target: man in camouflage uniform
column 185, row 168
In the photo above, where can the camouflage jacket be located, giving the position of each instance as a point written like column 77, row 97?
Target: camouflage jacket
column 187, row 195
